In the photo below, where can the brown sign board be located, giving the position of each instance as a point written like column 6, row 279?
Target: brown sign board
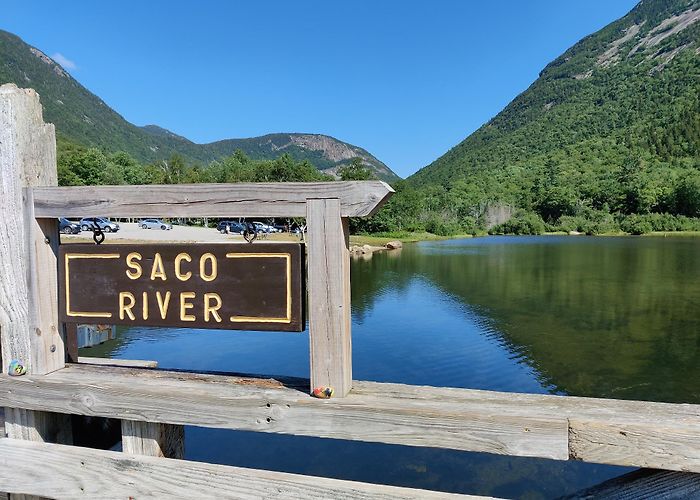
column 245, row 286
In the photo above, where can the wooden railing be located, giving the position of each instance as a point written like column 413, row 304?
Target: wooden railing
column 154, row 405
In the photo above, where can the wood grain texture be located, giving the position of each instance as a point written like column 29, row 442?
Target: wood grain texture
column 330, row 342
column 631, row 433
column 669, row 446
column 266, row 405
column 131, row 363
column 47, row 348
column 153, row 440
column 275, row 199
column 28, row 306
column 27, row 158
column 70, row 472
column 658, row 435
column 644, row 483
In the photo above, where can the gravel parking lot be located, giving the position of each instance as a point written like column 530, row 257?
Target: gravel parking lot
column 189, row 234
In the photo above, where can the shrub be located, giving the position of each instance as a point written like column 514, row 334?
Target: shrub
column 521, row 223
column 647, row 223
column 589, row 221
column 636, row 224
column 442, row 228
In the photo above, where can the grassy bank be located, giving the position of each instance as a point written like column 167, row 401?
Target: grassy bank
column 379, row 239
column 673, row 233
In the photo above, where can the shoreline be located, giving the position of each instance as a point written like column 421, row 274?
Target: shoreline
column 382, row 238
column 359, row 243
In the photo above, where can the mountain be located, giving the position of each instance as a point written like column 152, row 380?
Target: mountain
column 83, row 118
column 611, row 125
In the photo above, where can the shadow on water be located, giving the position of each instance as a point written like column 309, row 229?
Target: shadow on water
column 601, row 317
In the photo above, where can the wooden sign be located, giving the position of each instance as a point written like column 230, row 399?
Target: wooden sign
column 256, row 286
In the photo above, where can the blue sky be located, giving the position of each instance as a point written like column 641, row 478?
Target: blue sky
column 405, row 80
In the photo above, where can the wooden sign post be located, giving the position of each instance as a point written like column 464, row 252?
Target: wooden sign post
column 329, row 296
column 259, row 286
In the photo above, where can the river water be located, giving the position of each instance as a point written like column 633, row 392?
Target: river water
column 605, row 317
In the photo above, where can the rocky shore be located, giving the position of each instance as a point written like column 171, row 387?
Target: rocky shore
column 357, row 250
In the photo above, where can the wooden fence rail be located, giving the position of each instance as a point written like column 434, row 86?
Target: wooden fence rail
column 59, row 471
column 632, row 433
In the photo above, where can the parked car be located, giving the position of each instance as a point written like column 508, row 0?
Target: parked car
column 154, row 224
column 68, row 227
column 264, row 228
column 88, row 223
column 233, row 227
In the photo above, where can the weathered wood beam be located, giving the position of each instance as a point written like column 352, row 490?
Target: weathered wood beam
column 644, row 483
column 71, row 472
column 266, row 405
column 29, row 327
column 330, row 343
column 152, row 439
column 275, row 199
column 28, row 268
column 129, row 363
column 617, row 432
column 631, row 433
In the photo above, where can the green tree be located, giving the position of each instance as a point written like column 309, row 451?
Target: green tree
column 355, row 171
column 687, row 195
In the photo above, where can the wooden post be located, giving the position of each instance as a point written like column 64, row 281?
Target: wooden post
column 329, row 296
column 153, row 440
column 28, row 269
column 29, row 328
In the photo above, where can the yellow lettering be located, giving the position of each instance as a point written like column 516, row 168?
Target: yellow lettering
column 178, row 271
column 144, row 306
column 184, row 306
column 158, row 271
column 202, row 264
column 209, row 309
column 163, row 303
column 135, row 267
column 125, row 308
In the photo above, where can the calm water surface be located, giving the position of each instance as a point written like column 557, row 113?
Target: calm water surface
column 604, row 317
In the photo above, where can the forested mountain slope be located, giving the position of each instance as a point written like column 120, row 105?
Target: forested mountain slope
column 611, row 125
column 84, row 119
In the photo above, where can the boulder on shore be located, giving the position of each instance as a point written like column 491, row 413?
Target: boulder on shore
column 394, row 245
column 367, row 250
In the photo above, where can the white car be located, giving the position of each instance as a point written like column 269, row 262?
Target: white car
column 154, row 224
column 265, row 228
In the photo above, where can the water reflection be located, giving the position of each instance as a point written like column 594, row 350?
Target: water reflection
column 604, row 317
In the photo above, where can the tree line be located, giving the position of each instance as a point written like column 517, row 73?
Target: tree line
column 641, row 195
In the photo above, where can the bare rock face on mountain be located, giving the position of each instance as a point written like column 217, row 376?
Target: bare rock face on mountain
column 332, row 149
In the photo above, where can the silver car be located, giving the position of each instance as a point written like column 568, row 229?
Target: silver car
column 87, row 223
column 154, row 224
